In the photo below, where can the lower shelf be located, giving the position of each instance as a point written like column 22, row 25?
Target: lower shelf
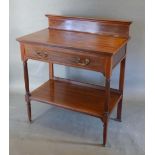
column 75, row 96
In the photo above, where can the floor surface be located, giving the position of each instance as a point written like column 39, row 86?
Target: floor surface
column 56, row 131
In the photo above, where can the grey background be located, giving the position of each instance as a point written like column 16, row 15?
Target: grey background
column 27, row 16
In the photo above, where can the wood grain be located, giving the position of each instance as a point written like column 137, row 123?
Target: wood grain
column 121, row 87
column 94, row 44
column 90, row 25
column 27, row 95
column 119, row 56
column 75, row 97
column 51, row 70
column 67, row 57
column 91, row 43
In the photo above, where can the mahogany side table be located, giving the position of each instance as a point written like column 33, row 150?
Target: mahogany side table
column 92, row 44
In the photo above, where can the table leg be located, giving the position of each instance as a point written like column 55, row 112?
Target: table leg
column 29, row 111
column 51, row 70
column 105, row 132
column 106, row 112
column 26, row 79
column 121, row 86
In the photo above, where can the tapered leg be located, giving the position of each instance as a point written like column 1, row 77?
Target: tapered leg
column 119, row 111
column 106, row 112
column 26, row 79
column 121, row 86
column 105, row 130
column 29, row 111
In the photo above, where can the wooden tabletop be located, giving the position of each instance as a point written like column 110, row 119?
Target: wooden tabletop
column 76, row 40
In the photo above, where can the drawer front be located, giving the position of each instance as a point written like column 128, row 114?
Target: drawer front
column 65, row 57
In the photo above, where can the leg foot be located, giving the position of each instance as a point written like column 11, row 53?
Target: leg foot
column 29, row 111
column 115, row 119
column 119, row 111
column 105, row 128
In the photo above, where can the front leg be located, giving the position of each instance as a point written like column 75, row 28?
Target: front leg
column 105, row 129
column 26, row 79
column 121, row 86
column 106, row 111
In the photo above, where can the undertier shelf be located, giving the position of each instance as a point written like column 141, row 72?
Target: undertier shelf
column 75, row 96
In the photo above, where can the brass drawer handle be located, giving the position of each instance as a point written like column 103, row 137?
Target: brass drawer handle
column 83, row 62
column 42, row 54
column 45, row 54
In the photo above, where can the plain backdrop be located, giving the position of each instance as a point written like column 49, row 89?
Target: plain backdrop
column 27, row 16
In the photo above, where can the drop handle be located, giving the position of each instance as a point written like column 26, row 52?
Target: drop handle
column 42, row 54
column 84, row 62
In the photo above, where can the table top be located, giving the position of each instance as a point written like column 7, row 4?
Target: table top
column 107, row 44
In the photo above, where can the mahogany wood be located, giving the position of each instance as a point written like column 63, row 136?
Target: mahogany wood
column 51, row 70
column 93, row 44
column 90, row 25
column 105, row 132
column 29, row 110
column 87, row 42
column 106, row 109
column 119, row 56
column 77, row 97
column 121, row 86
column 27, row 95
column 66, row 57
